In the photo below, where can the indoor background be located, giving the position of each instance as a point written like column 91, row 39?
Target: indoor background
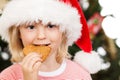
column 103, row 21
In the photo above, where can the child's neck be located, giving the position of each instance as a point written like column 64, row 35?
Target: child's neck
column 47, row 67
column 50, row 64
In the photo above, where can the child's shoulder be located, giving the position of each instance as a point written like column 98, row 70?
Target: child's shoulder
column 13, row 67
column 11, row 72
column 74, row 64
column 77, row 68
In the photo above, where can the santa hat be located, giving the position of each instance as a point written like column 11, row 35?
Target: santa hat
column 65, row 13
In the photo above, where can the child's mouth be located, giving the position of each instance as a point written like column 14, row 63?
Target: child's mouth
column 42, row 44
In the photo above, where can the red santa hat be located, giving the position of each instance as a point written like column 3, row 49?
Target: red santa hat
column 92, row 62
column 84, row 40
column 65, row 13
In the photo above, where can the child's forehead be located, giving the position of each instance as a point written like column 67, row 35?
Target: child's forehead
column 38, row 22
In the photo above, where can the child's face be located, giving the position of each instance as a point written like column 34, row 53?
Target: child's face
column 39, row 34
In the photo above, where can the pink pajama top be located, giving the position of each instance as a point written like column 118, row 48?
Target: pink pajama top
column 68, row 70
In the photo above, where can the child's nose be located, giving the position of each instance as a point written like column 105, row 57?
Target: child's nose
column 41, row 34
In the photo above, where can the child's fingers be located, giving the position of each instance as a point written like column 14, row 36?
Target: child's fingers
column 29, row 61
column 29, row 57
column 36, row 66
column 33, row 62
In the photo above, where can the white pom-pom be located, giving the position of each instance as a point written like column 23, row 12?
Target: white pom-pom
column 90, row 61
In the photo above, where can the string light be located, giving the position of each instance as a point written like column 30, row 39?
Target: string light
column 111, row 23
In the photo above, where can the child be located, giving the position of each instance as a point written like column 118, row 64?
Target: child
column 53, row 23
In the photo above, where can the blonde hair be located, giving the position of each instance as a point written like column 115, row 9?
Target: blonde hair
column 16, row 46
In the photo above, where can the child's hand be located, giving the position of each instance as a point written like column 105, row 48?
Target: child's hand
column 30, row 66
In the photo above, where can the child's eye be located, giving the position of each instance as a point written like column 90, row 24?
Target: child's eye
column 51, row 25
column 31, row 27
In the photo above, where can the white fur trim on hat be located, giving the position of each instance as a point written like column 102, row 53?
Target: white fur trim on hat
column 90, row 61
column 19, row 12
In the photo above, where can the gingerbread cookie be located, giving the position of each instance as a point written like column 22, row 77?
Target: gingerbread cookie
column 43, row 50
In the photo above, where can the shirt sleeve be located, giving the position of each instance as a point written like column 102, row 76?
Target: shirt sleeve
column 11, row 73
column 7, row 74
